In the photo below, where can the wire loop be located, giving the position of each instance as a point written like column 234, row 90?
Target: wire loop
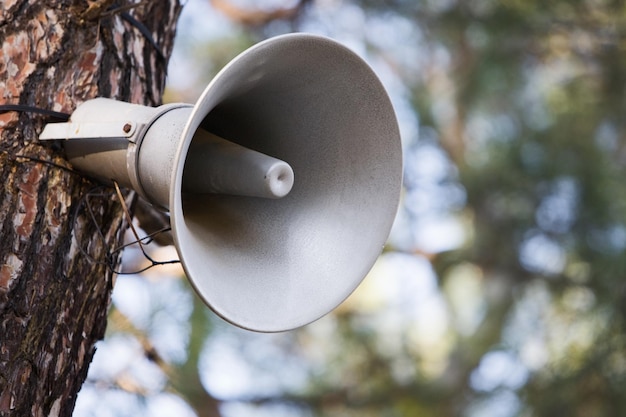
column 112, row 255
column 99, row 191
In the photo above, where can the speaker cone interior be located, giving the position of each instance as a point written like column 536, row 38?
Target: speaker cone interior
column 276, row 264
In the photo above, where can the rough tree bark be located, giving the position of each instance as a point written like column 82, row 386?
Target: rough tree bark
column 57, row 230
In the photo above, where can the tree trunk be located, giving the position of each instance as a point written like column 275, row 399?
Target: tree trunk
column 58, row 229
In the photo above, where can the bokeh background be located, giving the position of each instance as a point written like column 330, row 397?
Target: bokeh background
column 502, row 290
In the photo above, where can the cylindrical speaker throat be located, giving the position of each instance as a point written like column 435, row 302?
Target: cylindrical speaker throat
column 212, row 165
column 215, row 165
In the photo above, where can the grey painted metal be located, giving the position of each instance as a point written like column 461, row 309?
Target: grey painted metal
column 103, row 138
column 322, row 116
column 136, row 145
column 233, row 170
column 100, row 130
column 272, row 265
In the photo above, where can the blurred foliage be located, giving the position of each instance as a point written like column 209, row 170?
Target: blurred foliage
column 517, row 107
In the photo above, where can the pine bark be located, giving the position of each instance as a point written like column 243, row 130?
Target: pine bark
column 58, row 229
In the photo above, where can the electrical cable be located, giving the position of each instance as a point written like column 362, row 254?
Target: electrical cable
column 4, row 108
column 144, row 31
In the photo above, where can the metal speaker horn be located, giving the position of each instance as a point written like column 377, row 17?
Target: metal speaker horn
column 282, row 181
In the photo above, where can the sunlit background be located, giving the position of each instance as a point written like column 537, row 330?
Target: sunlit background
column 502, row 290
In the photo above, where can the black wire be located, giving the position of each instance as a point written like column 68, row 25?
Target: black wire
column 146, row 240
column 43, row 161
column 84, row 201
column 144, row 31
column 109, row 255
column 4, row 108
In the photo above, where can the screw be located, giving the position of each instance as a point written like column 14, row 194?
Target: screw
column 127, row 127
